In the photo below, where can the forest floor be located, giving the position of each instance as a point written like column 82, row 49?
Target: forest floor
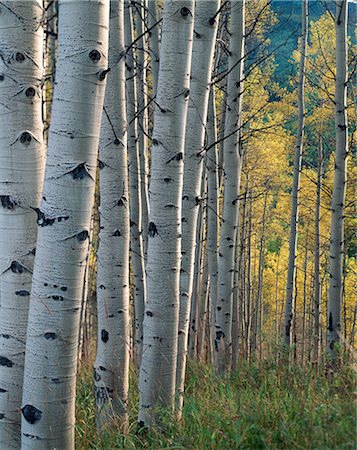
column 258, row 407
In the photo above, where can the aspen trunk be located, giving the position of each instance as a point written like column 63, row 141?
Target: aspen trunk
column 232, row 170
column 317, row 279
column 63, row 227
column 259, row 299
column 202, row 56
column 340, row 180
column 294, row 219
column 22, row 160
column 303, row 346
column 212, row 206
column 158, row 367
column 111, row 368
column 141, row 67
column 136, row 232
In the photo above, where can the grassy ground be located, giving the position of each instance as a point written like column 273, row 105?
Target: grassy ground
column 256, row 408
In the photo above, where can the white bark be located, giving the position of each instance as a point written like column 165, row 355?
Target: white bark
column 212, row 203
column 111, row 369
column 158, row 368
column 141, row 67
column 22, row 160
column 136, row 238
column 340, row 181
column 317, row 278
column 64, row 221
column 202, row 56
column 232, row 170
column 294, row 218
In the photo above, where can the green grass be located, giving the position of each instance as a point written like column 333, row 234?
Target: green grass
column 263, row 407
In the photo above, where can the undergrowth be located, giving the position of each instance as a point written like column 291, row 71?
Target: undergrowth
column 257, row 407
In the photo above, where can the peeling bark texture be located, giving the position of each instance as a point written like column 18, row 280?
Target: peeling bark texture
column 111, row 368
column 64, row 222
column 232, row 174
column 294, row 218
column 158, row 368
column 339, row 186
column 22, row 162
column 202, row 55
column 136, row 232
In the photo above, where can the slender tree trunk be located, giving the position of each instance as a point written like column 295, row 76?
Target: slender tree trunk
column 303, row 346
column 22, row 160
column 136, row 232
column 63, row 227
column 111, row 368
column 248, row 296
column 142, row 65
column 232, row 172
column 202, row 55
column 196, row 281
column 340, row 180
column 277, row 323
column 212, row 204
column 158, row 368
column 294, row 220
column 317, row 303
column 259, row 301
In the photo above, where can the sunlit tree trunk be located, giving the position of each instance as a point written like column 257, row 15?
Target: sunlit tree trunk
column 258, row 316
column 63, row 227
column 317, row 250
column 340, row 179
column 304, row 313
column 22, row 160
column 158, row 367
column 136, row 231
column 212, row 205
column 232, row 171
column 111, row 369
column 202, row 56
column 142, row 83
column 294, row 218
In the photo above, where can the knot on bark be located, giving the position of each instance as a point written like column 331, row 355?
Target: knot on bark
column 31, row 414
column 94, row 55
column 7, row 202
column 152, row 230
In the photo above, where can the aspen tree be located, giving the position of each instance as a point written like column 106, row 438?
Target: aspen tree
column 158, row 367
column 202, row 55
column 337, row 244
column 136, row 232
column 111, row 369
column 63, row 226
column 294, row 218
column 232, row 173
column 22, row 160
column 142, row 90
column 212, row 202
